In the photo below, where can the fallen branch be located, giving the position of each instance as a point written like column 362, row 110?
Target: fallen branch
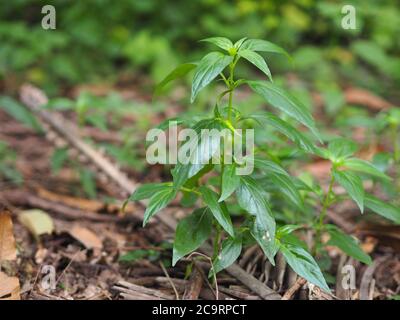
column 293, row 289
column 133, row 290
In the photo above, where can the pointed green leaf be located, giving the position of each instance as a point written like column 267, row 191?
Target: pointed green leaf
column 191, row 232
column 158, row 201
column 218, row 209
column 304, row 265
column 179, row 72
column 204, row 148
column 208, row 68
column 239, row 43
column 347, row 244
column 230, row 181
column 263, row 46
column 341, row 148
column 251, row 199
column 257, row 60
column 269, row 166
column 223, row 43
column 267, row 118
column 352, row 184
column 147, row 190
column 287, row 187
column 282, row 100
column 231, row 249
column 269, row 246
column 384, row 209
column 366, row 167
column 19, row 112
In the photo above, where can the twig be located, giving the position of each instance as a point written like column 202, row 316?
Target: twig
column 169, row 280
column 194, row 285
column 366, row 280
column 293, row 289
column 212, row 268
column 68, row 265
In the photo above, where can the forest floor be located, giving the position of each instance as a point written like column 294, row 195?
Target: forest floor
column 97, row 252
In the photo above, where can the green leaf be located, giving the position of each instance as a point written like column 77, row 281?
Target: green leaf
column 384, row 209
column 135, row 255
column 147, row 190
column 19, row 112
column 341, row 148
column 269, row 246
column 347, row 244
column 280, row 99
column 167, row 123
column 231, row 249
column 58, row 159
column 208, row 68
column 267, row 118
column 285, row 184
column 230, row 181
column 191, row 232
column 363, row 166
column 304, row 265
column 88, row 182
column 179, row 72
column 218, row 209
column 221, row 42
column 286, row 229
column 264, row 46
column 205, row 147
column 158, row 201
column 257, row 60
column 239, row 43
column 352, row 184
column 269, row 166
column 279, row 177
column 250, row 197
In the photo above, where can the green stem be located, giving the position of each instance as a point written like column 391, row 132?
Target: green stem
column 325, row 204
column 191, row 190
column 217, row 241
column 231, row 84
column 396, row 147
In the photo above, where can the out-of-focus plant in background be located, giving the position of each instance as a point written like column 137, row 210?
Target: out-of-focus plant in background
column 100, row 40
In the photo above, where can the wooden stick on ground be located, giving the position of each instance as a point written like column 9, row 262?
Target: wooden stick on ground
column 293, row 289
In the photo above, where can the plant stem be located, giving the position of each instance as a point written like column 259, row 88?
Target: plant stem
column 325, row 204
column 217, row 240
column 231, row 86
column 396, row 146
column 396, row 154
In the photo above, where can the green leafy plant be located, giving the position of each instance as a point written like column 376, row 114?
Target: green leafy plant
column 7, row 164
column 264, row 197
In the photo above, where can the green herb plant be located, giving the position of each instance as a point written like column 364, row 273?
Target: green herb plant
column 256, row 198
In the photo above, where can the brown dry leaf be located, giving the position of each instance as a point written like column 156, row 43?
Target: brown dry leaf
column 84, row 204
column 9, row 287
column 366, row 98
column 88, row 238
column 8, row 249
column 388, row 235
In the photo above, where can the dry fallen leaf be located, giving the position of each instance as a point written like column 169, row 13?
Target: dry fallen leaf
column 9, row 287
column 8, row 249
column 88, row 238
column 37, row 222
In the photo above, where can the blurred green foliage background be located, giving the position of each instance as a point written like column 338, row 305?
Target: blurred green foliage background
column 100, row 40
